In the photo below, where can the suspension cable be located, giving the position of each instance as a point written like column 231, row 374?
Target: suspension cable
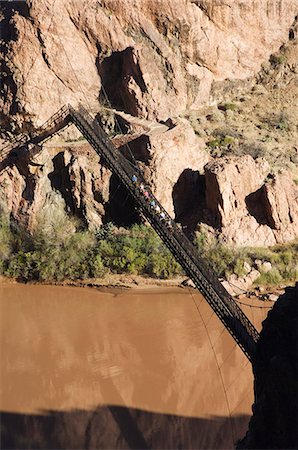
column 135, row 164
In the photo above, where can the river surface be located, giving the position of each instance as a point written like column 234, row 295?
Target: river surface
column 150, row 368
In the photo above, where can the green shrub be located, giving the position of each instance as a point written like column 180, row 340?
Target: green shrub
column 97, row 268
column 58, row 249
column 54, row 251
column 227, row 140
column 22, row 266
column 281, row 122
column 226, row 260
column 214, row 143
column 71, row 260
column 278, row 121
column 238, row 267
column 137, row 251
column 5, row 238
column 227, row 107
column 277, row 59
column 223, row 141
column 272, row 277
column 53, row 229
column 163, row 265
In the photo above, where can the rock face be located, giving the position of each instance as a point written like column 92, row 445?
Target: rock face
column 233, row 195
column 86, row 188
column 152, row 58
column 275, row 411
column 174, row 156
column 240, row 196
column 62, row 179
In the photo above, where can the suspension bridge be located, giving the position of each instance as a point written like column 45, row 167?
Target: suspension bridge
column 206, row 281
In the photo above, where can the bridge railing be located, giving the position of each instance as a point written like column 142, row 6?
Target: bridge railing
column 20, row 141
column 56, row 118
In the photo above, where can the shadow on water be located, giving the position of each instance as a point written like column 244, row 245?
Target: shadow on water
column 111, row 427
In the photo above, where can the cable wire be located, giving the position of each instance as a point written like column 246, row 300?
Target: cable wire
column 120, row 129
column 254, row 306
column 236, row 378
column 71, row 66
column 218, row 368
column 37, row 53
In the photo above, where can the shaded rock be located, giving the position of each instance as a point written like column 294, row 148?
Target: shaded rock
column 275, row 410
column 263, row 266
column 188, row 283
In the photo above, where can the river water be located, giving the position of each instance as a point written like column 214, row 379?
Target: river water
column 140, row 368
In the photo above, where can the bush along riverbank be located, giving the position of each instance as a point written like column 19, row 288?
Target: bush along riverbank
column 59, row 249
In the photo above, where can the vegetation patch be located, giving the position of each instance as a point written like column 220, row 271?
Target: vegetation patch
column 227, row 107
column 220, row 141
column 277, row 59
column 60, row 249
column 227, row 260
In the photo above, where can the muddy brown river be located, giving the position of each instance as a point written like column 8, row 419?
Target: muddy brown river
column 141, row 368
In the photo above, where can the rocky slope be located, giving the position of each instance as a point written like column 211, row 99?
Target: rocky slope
column 153, row 58
column 223, row 161
column 275, row 411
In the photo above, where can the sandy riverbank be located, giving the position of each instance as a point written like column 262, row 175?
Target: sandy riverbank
column 126, row 281
column 123, row 281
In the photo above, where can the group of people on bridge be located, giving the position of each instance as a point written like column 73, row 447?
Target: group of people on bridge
column 159, row 211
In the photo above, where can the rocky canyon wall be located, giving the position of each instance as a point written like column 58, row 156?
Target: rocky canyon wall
column 154, row 60
column 234, row 196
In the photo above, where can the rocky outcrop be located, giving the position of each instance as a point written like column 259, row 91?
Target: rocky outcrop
column 249, row 205
column 236, row 196
column 57, row 179
column 172, row 155
column 86, row 188
column 151, row 58
column 275, row 410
